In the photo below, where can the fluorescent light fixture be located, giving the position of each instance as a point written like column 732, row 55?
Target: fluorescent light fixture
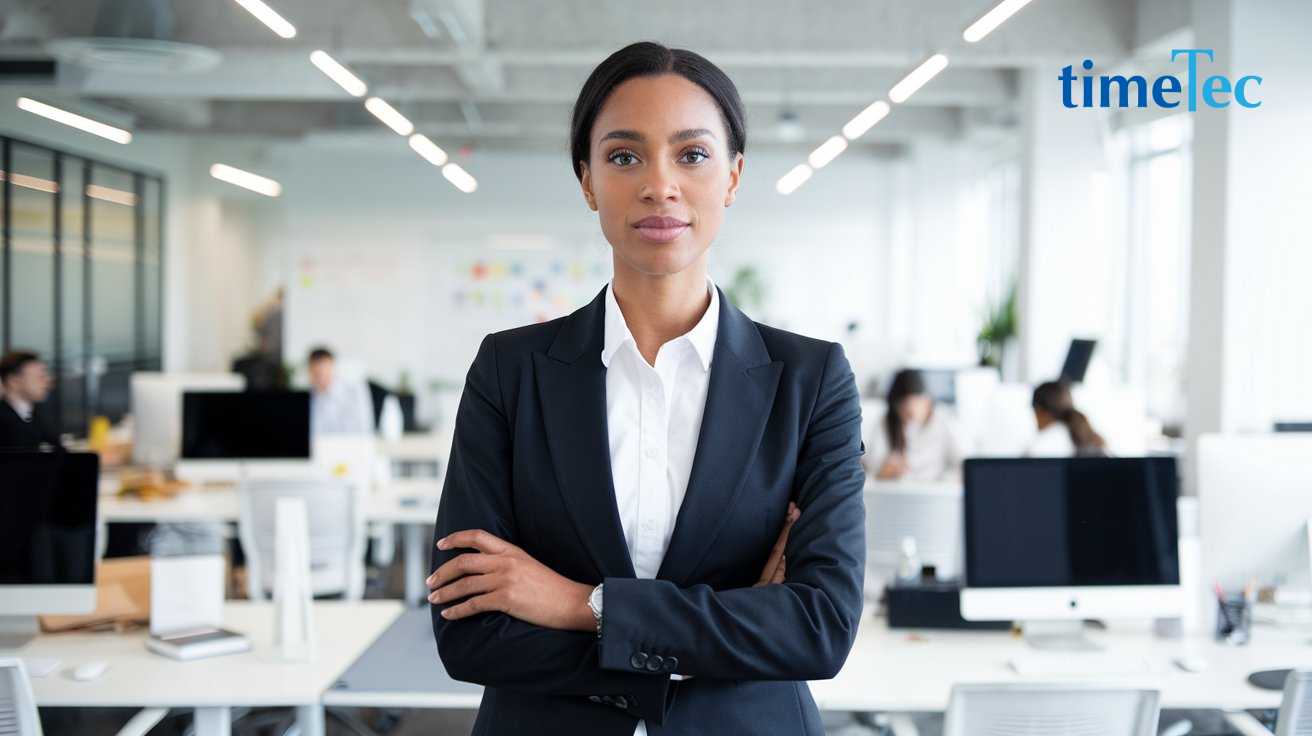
column 428, row 149
column 118, row 135
column 992, row 19
column 460, row 178
column 245, row 179
column 918, row 77
column 788, row 183
column 865, row 120
column 827, row 151
column 390, row 117
column 269, row 17
column 31, row 182
column 338, row 73
column 109, row 194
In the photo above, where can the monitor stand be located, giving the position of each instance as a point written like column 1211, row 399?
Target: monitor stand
column 1060, row 636
column 17, row 631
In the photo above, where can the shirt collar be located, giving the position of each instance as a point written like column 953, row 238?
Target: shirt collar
column 23, row 409
column 702, row 336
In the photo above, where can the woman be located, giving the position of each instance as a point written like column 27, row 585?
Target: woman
column 1063, row 431
column 618, row 477
column 916, row 440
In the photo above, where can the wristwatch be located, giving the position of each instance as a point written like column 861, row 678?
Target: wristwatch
column 594, row 605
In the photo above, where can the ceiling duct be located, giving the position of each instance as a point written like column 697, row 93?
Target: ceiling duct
column 134, row 36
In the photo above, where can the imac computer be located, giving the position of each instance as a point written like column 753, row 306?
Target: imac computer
column 1077, row 360
column 1054, row 541
column 47, row 539
column 230, row 436
column 157, row 411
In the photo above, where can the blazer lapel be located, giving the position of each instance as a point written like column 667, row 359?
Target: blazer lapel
column 742, row 386
column 572, row 391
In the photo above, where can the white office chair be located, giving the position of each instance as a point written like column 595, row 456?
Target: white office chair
column 1295, row 718
column 18, row 714
column 928, row 512
column 337, row 534
column 1050, row 710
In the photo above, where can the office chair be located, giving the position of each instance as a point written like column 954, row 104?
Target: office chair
column 18, row 714
column 1295, row 715
column 337, row 534
column 1050, row 710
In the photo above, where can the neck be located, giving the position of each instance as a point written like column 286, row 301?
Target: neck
column 658, row 309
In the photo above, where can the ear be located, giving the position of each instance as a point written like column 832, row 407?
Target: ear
column 735, row 176
column 585, row 180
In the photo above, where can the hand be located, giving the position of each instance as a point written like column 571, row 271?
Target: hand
column 503, row 577
column 773, row 572
column 893, row 468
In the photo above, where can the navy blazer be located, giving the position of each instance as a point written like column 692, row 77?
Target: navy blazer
column 530, row 463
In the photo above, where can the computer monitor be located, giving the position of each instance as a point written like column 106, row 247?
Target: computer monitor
column 256, row 425
column 1254, row 505
column 157, row 411
column 941, row 383
column 47, row 538
column 929, row 513
column 1077, row 360
column 1293, row 426
column 1067, row 539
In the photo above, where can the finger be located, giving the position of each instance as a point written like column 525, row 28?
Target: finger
column 476, row 605
column 475, row 539
column 463, row 588
column 469, row 563
column 779, row 571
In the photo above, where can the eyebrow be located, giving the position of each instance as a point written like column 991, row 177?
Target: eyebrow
column 633, row 135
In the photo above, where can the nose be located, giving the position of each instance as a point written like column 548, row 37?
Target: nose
column 661, row 183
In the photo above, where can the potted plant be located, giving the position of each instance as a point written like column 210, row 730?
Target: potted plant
column 999, row 329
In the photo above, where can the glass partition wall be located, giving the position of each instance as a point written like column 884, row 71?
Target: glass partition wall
column 81, row 278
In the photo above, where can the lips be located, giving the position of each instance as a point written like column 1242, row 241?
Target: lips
column 660, row 229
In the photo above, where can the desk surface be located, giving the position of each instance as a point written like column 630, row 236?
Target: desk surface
column 137, row 677
column 402, row 670
column 891, row 670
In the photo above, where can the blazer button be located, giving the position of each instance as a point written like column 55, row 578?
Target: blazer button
column 621, row 702
column 608, row 700
column 654, row 662
column 669, row 664
column 638, row 660
column 594, row 698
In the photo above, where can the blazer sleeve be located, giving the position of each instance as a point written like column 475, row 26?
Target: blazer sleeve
column 494, row 649
column 801, row 629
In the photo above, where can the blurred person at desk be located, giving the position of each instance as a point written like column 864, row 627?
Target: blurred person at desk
column 337, row 405
column 26, row 383
column 1063, row 430
column 917, row 440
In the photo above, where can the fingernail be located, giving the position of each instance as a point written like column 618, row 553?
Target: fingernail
column 429, row 582
column 446, row 613
column 441, row 542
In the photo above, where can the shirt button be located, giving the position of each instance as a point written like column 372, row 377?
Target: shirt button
column 650, row 525
column 652, row 452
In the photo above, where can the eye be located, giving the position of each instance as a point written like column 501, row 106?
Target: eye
column 696, row 155
column 622, row 158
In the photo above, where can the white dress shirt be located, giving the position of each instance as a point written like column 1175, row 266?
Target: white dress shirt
column 933, row 448
column 654, row 417
column 21, row 408
column 1053, row 440
column 345, row 408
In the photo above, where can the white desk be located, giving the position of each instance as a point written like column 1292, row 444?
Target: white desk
column 139, row 678
column 888, row 671
column 410, row 503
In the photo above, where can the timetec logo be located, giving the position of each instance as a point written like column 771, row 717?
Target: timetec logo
column 1163, row 86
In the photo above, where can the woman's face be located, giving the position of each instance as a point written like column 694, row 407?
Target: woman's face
column 916, row 408
column 660, row 174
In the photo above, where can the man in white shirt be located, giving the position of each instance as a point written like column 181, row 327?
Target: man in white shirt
column 337, row 406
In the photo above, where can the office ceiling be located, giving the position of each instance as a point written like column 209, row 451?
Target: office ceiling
column 503, row 73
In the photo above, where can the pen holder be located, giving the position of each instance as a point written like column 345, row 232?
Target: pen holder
column 1234, row 621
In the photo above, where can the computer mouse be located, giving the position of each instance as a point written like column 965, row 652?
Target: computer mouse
column 1191, row 663
column 88, row 671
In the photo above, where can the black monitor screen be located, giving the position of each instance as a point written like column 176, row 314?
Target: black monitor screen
column 246, row 426
column 48, row 517
column 941, row 384
column 1294, row 426
column 1055, row 522
column 1077, row 360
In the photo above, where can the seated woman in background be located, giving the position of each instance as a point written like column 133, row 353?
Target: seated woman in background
column 916, row 440
column 1063, row 431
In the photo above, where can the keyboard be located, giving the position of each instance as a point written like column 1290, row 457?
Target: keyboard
column 1075, row 664
column 40, row 666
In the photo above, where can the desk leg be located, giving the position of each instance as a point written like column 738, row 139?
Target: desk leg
column 214, row 721
column 310, row 719
column 415, row 564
